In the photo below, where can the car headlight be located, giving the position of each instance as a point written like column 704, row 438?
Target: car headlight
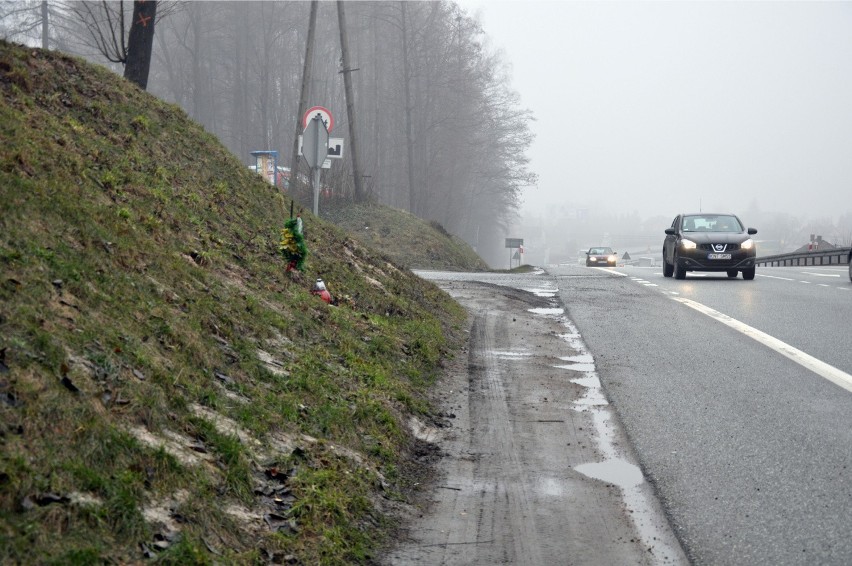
column 611, row 258
column 688, row 244
column 748, row 244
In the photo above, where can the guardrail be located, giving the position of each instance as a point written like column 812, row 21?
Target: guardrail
column 838, row 256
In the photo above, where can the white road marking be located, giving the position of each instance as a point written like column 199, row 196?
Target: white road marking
column 775, row 277
column 807, row 282
column 815, row 274
column 807, row 361
column 823, row 285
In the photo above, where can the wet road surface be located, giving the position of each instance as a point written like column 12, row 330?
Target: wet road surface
column 749, row 450
column 536, row 468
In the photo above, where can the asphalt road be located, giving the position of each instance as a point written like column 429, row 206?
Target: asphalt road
column 749, row 451
column 536, row 469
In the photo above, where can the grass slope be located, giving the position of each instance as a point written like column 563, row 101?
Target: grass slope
column 167, row 390
column 405, row 238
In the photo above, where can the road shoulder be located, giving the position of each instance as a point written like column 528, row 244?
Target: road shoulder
column 534, row 468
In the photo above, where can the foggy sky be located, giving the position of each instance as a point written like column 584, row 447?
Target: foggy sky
column 659, row 107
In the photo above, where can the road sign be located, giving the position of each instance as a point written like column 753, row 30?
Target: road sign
column 335, row 147
column 514, row 242
column 324, row 113
column 315, row 143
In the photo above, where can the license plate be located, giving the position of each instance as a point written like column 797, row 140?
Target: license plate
column 718, row 256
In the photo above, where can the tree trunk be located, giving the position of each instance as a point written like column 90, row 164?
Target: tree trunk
column 295, row 158
column 44, row 25
column 409, row 138
column 140, row 42
column 350, row 100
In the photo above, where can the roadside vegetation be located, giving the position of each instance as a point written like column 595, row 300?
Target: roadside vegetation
column 408, row 240
column 168, row 390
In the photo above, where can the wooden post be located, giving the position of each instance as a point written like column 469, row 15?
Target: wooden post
column 295, row 158
column 350, row 101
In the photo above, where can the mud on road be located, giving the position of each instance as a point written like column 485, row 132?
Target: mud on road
column 535, row 468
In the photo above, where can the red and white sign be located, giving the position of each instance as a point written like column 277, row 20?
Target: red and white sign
column 325, row 116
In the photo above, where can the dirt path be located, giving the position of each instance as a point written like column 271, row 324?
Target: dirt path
column 531, row 432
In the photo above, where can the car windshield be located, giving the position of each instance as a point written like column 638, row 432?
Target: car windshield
column 600, row 251
column 711, row 223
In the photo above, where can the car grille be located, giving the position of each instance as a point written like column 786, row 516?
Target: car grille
column 729, row 248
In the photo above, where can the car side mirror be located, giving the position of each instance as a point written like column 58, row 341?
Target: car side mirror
column 670, row 231
column 752, row 231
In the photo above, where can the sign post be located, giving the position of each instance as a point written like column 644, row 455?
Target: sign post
column 315, row 149
column 515, row 244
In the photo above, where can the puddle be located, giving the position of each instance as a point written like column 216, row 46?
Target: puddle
column 617, row 471
column 546, row 292
column 591, row 381
column 552, row 311
column 612, row 468
column 591, row 398
column 578, row 367
column 573, row 340
column 581, row 359
column 511, row 355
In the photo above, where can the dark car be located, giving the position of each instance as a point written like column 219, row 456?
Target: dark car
column 708, row 242
column 600, row 257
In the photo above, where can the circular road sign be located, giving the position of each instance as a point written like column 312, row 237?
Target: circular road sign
column 324, row 113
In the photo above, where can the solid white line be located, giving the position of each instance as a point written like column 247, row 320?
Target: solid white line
column 774, row 277
column 819, row 274
column 807, row 361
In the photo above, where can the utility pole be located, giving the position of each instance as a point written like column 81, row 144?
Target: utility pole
column 295, row 158
column 45, row 43
column 409, row 138
column 350, row 100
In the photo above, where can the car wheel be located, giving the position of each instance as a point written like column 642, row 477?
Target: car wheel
column 748, row 274
column 668, row 269
column 732, row 273
column 679, row 272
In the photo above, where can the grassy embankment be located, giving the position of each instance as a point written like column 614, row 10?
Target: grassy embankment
column 167, row 390
column 406, row 239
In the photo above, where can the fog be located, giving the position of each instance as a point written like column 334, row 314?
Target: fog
column 636, row 110
column 653, row 108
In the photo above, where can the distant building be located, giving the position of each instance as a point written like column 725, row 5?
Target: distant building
column 818, row 245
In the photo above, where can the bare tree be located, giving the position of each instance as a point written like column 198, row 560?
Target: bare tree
column 446, row 138
column 140, row 42
column 119, row 35
column 28, row 21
